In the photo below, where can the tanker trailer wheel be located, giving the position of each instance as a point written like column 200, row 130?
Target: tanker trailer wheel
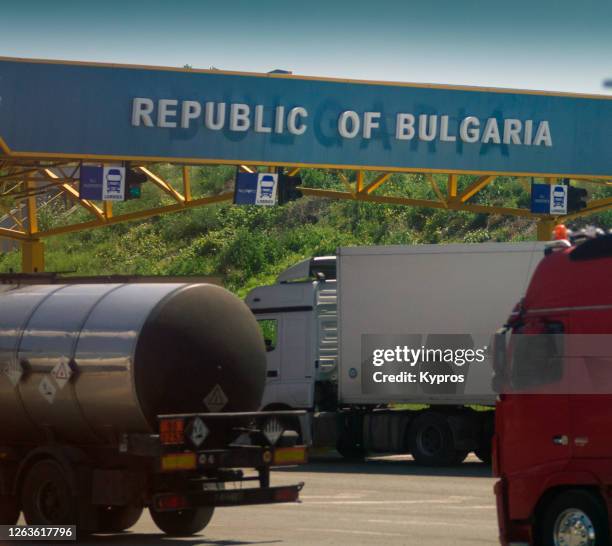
column 182, row 522
column 9, row 510
column 575, row 518
column 114, row 519
column 430, row 440
column 46, row 498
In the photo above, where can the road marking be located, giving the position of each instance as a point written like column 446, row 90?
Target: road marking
column 341, row 496
column 350, row 532
column 449, row 500
column 476, row 507
column 432, row 522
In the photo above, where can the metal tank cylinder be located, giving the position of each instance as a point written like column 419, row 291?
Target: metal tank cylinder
column 86, row 363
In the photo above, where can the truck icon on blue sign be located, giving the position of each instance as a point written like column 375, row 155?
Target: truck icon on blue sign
column 558, row 196
column 267, row 186
column 113, row 181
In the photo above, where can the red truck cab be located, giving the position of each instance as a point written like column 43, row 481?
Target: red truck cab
column 552, row 448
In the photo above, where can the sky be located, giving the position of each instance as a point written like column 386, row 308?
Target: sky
column 555, row 45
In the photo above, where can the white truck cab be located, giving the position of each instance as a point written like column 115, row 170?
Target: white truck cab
column 298, row 318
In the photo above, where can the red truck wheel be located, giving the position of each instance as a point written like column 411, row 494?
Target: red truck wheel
column 574, row 517
column 182, row 522
column 9, row 510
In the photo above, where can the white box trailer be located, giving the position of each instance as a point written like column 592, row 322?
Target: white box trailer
column 326, row 327
column 426, row 292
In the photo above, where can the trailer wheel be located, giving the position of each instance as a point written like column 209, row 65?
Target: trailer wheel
column 183, row 522
column 9, row 510
column 114, row 519
column 349, row 448
column 430, row 440
column 574, row 517
column 46, row 497
column 351, row 452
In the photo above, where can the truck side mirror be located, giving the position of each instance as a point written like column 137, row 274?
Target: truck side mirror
column 500, row 348
column 497, row 383
column 500, row 360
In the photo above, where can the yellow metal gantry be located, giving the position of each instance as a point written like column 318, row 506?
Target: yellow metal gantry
column 22, row 180
column 26, row 181
column 453, row 199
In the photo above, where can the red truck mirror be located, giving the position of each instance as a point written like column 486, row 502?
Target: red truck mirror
column 500, row 344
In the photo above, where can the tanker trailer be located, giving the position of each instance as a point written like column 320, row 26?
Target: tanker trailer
column 117, row 397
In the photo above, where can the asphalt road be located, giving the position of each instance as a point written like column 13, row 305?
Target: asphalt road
column 390, row 501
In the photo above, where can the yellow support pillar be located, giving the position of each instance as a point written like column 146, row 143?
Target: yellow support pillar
column 359, row 181
column 545, row 228
column 31, row 206
column 186, row 184
column 32, row 256
column 452, row 187
column 32, row 250
column 108, row 210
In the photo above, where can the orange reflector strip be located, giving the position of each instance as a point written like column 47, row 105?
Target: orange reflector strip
column 178, row 461
column 290, row 455
column 171, row 431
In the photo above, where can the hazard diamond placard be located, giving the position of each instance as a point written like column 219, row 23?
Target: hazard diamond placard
column 47, row 389
column 216, row 399
column 14, row 371
column 62, row 372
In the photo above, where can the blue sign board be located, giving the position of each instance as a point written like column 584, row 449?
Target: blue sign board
column 77, row 110
column 256, row 189
column 245, row 189
column 98, row 183
column 90, row 183
column 549, row 198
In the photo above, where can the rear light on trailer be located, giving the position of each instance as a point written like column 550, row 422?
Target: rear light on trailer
column 286, row 494
column 170, row 501
column 178, row 461
column 171, row 431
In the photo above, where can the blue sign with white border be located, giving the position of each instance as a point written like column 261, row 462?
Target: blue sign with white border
column 549, row 198
column 256, row 189
column 78, row 110
column 102, row 183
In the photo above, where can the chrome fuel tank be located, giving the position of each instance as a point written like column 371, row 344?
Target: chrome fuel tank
column 85, row 363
